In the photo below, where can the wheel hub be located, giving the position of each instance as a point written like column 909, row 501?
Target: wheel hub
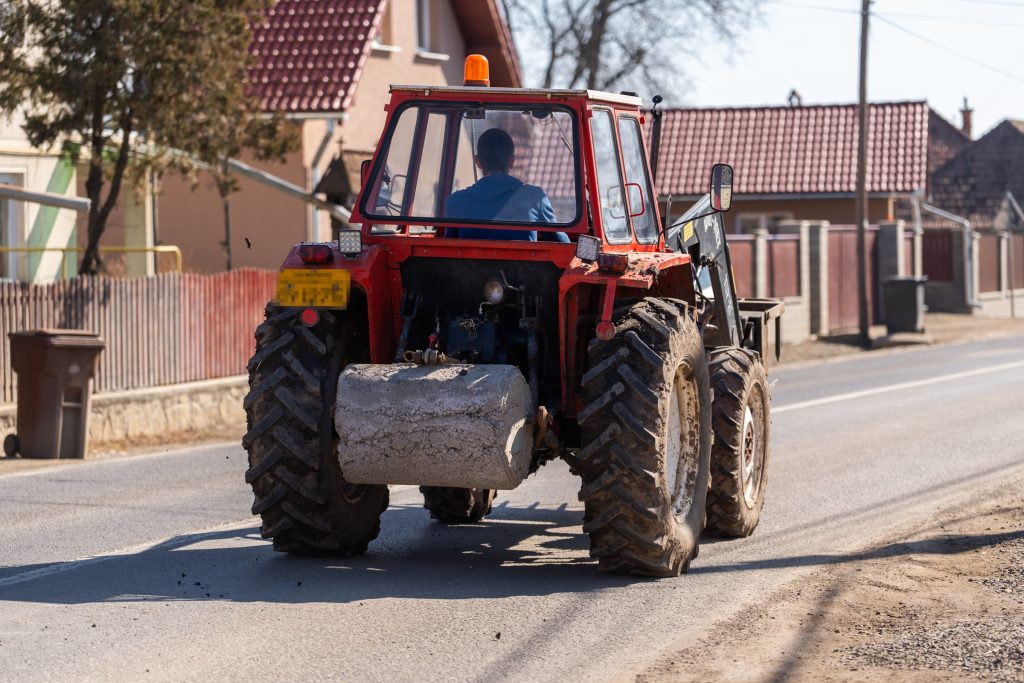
column 750, row 453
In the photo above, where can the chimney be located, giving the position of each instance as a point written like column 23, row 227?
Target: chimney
column 795, row 100
column 965, row 115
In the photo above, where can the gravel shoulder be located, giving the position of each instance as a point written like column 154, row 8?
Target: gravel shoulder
column 942, row 602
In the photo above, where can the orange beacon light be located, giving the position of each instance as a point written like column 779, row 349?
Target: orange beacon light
column 477, row 71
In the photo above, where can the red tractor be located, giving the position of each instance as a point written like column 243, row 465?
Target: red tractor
column 512, row 297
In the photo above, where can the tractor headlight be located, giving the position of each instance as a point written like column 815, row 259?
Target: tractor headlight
column 494, row 291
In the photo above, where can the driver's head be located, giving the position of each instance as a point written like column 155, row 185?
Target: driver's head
column 495, row 151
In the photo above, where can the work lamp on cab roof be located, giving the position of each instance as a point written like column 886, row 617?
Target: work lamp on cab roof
column 477, row 71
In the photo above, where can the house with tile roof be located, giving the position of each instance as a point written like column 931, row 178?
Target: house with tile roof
column 800, row 162
column 327, row 65
column 974, row 182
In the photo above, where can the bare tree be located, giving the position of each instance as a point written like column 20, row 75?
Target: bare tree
column 616, row 44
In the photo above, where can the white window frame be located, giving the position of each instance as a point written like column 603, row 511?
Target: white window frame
column 424, row 39
column 11, row 238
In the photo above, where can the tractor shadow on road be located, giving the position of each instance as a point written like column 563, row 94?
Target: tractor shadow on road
column 516, row 551
column 940, row 544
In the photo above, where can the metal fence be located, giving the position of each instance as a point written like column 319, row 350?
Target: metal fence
column 168, row 329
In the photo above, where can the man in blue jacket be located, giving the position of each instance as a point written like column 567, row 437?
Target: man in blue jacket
column 497, row 196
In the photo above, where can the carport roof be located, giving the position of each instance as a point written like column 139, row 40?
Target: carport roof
column 799, row 150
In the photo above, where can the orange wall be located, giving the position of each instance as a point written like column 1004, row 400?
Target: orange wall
column 836, row 211
column 193, row 219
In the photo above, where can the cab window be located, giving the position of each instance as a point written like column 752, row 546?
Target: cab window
column 638, row 186
column 614, row 217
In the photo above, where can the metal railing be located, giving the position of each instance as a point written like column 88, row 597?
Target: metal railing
column 161, row 249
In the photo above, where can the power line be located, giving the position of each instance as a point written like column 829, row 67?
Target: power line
column 957, row 20
column 1000, row 3
column 1010, row 23
column 961, row 55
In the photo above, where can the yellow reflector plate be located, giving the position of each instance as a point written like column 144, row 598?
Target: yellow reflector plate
column 314, row 288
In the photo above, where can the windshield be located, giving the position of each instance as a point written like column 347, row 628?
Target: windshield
column 495, row 164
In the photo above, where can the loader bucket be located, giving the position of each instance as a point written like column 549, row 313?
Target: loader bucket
column 468, row 426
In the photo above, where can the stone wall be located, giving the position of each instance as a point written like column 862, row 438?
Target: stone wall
column 146, row 416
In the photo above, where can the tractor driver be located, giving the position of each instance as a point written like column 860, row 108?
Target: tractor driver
column 497, row 196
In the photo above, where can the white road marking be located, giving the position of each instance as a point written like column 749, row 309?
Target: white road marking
column 170, row 542
column 897, row 387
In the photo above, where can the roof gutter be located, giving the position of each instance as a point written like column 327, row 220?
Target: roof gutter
column 796, row 196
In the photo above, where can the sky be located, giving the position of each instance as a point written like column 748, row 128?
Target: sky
column 812, row 45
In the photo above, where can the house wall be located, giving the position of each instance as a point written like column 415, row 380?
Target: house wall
column 835, row 211
column 193, row 219
column 23, row 224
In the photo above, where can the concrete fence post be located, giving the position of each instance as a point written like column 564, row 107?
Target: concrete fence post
column 818, row 239
column 918, row 253
column 890, row 250
column 971, row 296
column 1005, row 276
column 761, row 265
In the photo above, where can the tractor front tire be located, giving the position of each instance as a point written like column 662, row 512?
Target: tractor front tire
column 452, row 505
column 741, row 420
column 305, row 503
column 646, row 435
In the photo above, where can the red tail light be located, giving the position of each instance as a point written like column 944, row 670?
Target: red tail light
column 612, row 263
column 315, row 252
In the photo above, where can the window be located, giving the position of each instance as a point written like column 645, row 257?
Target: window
column 638, row 185
column 748, row 223
column 609, row 178
column 437, row 151
column 423, row 32
column 384, row 40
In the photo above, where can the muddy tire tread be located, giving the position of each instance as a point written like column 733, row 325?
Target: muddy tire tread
column 620, row 463
column 732, row 373
column 305, row 505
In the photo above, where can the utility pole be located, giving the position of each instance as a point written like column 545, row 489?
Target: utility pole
column 861, row 213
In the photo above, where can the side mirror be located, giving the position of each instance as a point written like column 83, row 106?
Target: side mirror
column 635, row 198
column 364, row 171
column 721, row 187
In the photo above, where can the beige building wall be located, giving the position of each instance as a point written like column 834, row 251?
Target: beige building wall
column 23, row 224
column 265, row 223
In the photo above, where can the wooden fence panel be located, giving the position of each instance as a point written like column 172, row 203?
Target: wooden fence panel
column 937, row 255
column 167, row 329
column 741, row 255
column 988, row 263
column 783, row 266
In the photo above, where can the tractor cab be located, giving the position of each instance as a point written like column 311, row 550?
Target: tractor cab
column 507, row 164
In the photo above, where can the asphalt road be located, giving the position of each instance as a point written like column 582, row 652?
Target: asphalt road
column 150, row 567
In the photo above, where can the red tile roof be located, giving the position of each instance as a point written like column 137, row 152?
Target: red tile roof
column 794, row 150
column 309, row 53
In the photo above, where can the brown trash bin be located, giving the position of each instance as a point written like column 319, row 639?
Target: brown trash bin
column 55, row 373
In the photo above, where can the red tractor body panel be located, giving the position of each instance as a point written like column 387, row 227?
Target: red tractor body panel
column 587, row 294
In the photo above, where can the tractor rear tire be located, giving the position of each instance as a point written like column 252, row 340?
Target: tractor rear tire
column 741, row 419
column 646, row 435
column 306, row 505
column 452, row 505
